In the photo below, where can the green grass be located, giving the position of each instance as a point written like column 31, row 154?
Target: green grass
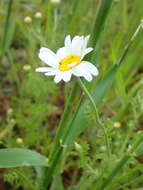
column 58, row 120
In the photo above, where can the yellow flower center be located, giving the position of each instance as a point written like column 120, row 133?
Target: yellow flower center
column 69, row 62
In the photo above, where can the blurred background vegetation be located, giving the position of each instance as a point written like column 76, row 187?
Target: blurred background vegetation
column 31, row 104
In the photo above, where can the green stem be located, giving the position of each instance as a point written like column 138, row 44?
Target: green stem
column 65, row 116
column 9, row 9
column 96, row 114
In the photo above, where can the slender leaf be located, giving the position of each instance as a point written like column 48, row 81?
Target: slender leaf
column 102, row 12
column 6, row 30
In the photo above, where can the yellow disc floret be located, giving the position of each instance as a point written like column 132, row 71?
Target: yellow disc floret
column 69, row 62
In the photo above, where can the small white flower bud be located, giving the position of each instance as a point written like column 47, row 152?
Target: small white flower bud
column 56, row 1
column 27, row 19
column 77, row 146
column 10, row 110
column 38, row 15
column 12, row 121
column 129, row 147
column 117, row 124
column 27, row 67
column 61, row 143
column 19, row 140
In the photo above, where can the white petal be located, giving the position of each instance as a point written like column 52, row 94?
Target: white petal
column 86, row 51
column 67, row 41
column 87, row 76
column 86, row 39
column 43, row 69
column 80, row 71
column 58, row 78
column 49, row 57
column 66, row 75
column 76, row 45
column 77, row 71
column 90, row 67
column 62, row 53
column 52, row 72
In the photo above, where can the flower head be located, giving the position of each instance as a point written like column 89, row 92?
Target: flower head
column 68, row 60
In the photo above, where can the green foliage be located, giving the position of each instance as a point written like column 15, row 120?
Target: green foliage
column 31, row 105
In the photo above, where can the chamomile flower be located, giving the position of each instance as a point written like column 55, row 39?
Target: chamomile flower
column 68, row 60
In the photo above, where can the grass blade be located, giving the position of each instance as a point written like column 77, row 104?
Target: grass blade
column 6, row 30
column 100, row 19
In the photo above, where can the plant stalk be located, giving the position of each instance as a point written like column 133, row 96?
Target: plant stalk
column 98, row 121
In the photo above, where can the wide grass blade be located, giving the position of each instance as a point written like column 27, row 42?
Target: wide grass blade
column 16, row 157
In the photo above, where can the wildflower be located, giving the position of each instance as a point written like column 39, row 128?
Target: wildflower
column 68, row 60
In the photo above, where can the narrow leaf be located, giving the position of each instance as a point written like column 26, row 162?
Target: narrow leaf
column 100, row 19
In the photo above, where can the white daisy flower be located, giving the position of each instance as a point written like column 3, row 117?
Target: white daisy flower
column 68, row 60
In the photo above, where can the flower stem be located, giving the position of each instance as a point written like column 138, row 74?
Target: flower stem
column 85, row 90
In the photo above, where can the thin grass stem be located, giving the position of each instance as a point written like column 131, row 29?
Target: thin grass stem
column 85, row 90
